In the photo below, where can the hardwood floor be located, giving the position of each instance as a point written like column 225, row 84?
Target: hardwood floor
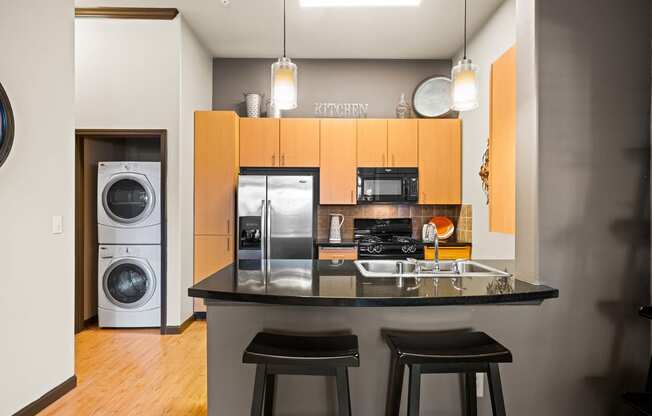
column 137, row 372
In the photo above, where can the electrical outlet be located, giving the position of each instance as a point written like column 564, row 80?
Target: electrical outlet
column 57, row 224
column 479, row 384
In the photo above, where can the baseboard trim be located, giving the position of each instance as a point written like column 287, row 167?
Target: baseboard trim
column 90, row 321
column 200, row 316
column 48, row 398
column 176, row 330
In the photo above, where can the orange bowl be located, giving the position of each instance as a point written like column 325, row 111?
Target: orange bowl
column 445, row 226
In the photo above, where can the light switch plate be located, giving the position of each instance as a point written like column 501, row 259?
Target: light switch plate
column 57, row 224
column 479, row 384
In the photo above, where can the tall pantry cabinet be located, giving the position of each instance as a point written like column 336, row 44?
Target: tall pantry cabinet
column 216, row 172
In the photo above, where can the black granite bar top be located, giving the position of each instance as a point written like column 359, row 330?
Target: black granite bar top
column 339, row 283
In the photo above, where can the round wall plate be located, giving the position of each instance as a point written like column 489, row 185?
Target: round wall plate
column 6, row 126
column 432, row 98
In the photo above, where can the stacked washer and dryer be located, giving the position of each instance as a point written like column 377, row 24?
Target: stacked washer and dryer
column 129, row 235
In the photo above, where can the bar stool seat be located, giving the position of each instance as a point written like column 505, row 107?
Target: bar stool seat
column 642, row 402
column 463, row 352
column 276, row 354
column 455, row 347
column 267, row 348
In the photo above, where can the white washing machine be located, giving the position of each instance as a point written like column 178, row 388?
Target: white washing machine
column 129, row 286
column 129, row 202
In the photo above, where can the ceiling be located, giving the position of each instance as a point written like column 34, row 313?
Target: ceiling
column 254, row 28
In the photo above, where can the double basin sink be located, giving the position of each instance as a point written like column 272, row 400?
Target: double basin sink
column 426, row 268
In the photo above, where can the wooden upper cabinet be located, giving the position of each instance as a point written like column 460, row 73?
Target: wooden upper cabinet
column 216, row 167
column 372, row 143
column 502, row 144
column 440, row 161
column 337, row 162
column 402, row 147
column 299, row 142
column 259, row 142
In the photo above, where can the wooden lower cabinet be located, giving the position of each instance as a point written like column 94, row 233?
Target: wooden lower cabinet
column 449, row 253
column 338, row 253
column 212, row 253
column 337, row 175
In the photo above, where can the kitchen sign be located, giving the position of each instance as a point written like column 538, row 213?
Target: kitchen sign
column 343, row 110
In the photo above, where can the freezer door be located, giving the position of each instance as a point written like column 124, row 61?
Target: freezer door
column 252, row 202
column 290, row 217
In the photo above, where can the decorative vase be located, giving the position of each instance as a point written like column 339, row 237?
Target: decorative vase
column 253, row 102
column 403, row 109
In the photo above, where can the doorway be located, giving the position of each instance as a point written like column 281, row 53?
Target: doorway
column 92, row 147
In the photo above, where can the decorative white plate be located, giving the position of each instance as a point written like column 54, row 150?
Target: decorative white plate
column 432, row 98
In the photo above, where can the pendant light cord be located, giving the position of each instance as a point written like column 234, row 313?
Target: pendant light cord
column 284, row 34
column 464, row 28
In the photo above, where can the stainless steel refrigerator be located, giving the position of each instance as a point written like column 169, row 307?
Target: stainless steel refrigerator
column 275, row 217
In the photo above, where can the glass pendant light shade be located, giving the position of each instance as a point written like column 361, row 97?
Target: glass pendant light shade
column 465, row 86
column 284, row 84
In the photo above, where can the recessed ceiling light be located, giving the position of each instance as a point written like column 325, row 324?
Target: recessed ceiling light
column 360, row 3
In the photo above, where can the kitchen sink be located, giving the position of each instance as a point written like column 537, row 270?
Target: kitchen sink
column 426, row 268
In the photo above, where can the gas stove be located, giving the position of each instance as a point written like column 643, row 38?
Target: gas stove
column 386, row 239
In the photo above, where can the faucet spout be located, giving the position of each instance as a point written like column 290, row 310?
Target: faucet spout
column 436, row 241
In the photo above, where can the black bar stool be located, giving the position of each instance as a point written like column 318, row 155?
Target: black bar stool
column 300, row 355
column 460, row 352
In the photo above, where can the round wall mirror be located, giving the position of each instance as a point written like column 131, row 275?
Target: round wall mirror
column 6, row 126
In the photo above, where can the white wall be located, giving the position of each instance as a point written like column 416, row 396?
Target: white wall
column 138, row 74
column 36, row 183
column 497, row 35
column 196, row 94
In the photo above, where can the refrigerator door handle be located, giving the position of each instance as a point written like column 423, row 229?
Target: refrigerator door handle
column 263, row 229
column 268, row 225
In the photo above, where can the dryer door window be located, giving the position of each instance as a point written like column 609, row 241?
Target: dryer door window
column 129, row 284
column 128, row 198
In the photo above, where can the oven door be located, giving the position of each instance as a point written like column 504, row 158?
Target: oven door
column 384, row 185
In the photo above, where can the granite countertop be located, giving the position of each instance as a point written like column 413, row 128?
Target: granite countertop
column 338, row 283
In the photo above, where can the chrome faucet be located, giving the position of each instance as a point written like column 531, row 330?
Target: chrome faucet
column 436, row 241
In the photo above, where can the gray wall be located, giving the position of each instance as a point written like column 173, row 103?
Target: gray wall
column 378, row 83
column 594, row 151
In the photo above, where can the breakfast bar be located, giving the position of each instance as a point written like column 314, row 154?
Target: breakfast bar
column 334, row 297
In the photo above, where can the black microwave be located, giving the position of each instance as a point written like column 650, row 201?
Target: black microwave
column 388, row 185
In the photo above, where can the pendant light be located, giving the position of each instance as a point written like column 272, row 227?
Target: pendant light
column 284, row 79
column 465, row 81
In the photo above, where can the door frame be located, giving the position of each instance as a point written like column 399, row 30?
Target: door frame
column 80, row 136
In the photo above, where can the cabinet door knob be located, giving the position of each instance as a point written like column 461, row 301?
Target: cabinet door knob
column 283, row 159
column 393, row 161
column 274, row 159
column 384, row 164
column 228, row 226
column 351, row 195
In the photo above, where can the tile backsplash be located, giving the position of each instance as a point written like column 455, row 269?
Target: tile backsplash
column 461, row 215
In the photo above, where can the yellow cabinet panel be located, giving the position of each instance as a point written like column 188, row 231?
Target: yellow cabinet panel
column 402, row 138
column 259, row 142
column 502, row 144
column 299, row 144
column 337, row 162
column 372, row 143
column 449, row 253
column 440, row 161
column 216, row 144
